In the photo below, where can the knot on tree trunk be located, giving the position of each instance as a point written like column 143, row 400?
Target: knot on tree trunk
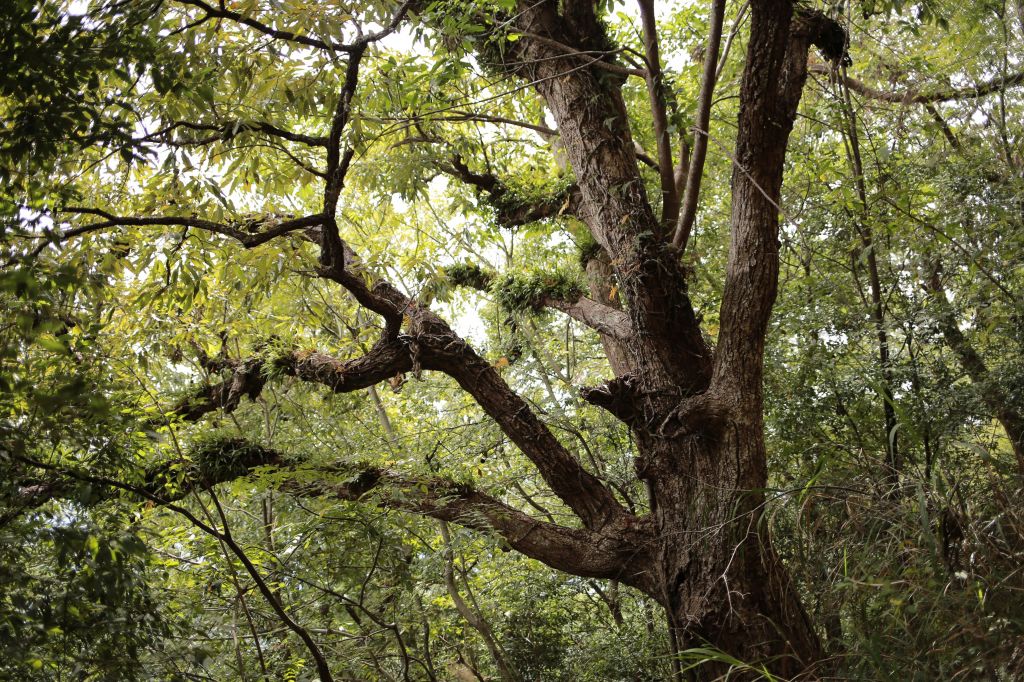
column 701, row 415
column 659, row 413
column 825, row 33
column 621, row 397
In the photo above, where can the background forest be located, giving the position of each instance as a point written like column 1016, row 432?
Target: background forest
column 190, row 493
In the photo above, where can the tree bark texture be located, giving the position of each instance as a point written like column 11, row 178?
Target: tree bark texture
column 696, row 415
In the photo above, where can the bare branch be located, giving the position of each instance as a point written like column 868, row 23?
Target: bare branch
column 248, row 233
column 914, row 96
column 288, row 36
column 658, row 95
column 456, row 116
column 733, row 32
column 700, row 143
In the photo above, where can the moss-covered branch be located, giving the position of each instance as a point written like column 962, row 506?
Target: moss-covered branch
column 558, row 290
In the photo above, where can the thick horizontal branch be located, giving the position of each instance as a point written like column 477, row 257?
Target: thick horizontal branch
column 433, row 347
column 171, row 481
column 248, row 377
column 382, row 362
column 597, row 316
column 916, row 96
column 573, row 550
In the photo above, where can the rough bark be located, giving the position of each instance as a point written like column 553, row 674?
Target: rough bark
column 587, row 105
column 724, row 584
column 697, row 418
column 599, row 282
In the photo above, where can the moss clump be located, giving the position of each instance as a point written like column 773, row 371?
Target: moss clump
column 227, row 458
column 516, row 293
column 528, row 292
column 469, row 275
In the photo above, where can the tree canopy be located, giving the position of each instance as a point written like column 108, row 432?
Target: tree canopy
column 508, row 340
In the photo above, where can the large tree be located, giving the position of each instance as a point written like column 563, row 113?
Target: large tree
column 265, row 141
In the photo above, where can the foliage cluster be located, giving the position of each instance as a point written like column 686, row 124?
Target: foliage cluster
column 913, row 574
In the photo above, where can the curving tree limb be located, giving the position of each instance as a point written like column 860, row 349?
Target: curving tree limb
column 913, row 95
column 611, row 553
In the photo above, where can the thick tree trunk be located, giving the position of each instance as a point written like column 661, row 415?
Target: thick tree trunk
column 696, row 416
column 723, row 584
